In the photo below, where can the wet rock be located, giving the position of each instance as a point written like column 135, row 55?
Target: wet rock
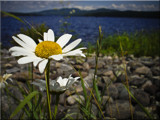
column 123, row 111
column 142, row 97
column 143, row 71
column 71, row 100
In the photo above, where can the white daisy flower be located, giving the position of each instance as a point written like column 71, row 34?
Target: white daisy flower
column 44, row 50
column 3, row 79
column 59, row 85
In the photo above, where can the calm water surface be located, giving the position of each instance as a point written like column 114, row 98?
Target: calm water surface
column 85, row 27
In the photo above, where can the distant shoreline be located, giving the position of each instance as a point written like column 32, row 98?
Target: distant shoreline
column 96, row 13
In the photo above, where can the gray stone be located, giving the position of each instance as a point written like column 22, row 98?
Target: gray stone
column 107, row 99
column 119, row 86
column 110, row 75
column 120, row 109
column 74, row 113
column 71, row 100
column 156, row 70
column 143, row 71
column 124, row 95
column 112, row 91
column 106, row 80
column 89, row 80
column 12, row 70
column 86, row 66
column 136, row 80
column 142, row 97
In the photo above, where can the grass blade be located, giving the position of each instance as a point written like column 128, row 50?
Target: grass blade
column 12, row 15
column 23, row 103
column 142, row 107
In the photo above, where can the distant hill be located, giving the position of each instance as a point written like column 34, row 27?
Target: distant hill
column 98, row 12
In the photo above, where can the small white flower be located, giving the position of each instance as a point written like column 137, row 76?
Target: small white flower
column 59, row 85
column 43, row 51
column 3, row 79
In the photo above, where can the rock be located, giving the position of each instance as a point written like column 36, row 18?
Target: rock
column 124, row 95
column 123, row 111
column 107, row 99
column 8, row 66
column 110, row 75
column 74, row 113
column 156, row 70
column 142, row 97
column 157, row 96
column 83, row 74
column 156, row 81
column 134, row 65
column 89, row 80
column 62, row 99
column 78, row 67
column 112, row 91
column 106, row 80
column 147, row 83
column 86, row 66
column 12, row 70
column 136, row 80
column 71, row 100
column 151, row 89
column 119, row 86
column 138, row 115
column 21, row 76
column 65, row 70
column 143, row 71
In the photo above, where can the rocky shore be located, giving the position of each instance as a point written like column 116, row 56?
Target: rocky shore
column 143, row 76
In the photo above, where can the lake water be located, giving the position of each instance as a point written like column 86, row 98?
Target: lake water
column 85, row 27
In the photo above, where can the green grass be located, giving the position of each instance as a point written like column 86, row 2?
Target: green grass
column 141, row 43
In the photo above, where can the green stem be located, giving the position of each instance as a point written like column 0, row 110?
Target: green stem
column 47, row 86
column 56, row 106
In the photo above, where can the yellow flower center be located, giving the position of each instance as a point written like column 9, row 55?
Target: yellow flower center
column 47, row 48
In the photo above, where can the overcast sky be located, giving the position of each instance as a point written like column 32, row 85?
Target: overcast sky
column 33, row 6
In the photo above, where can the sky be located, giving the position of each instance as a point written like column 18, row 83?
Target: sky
column 35, row 6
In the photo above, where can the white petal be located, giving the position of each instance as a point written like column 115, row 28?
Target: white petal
column 76, row 52
column 27, row 40
column 42, row 65
column 45, row 36
column 63, row 40
column 56, row 57
column 71, row 45
column 27, row 59
column 50, row 35
column 23, row 44
column 40, row 40
column 62, row 82
column 36, row 62
column 18, row 51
